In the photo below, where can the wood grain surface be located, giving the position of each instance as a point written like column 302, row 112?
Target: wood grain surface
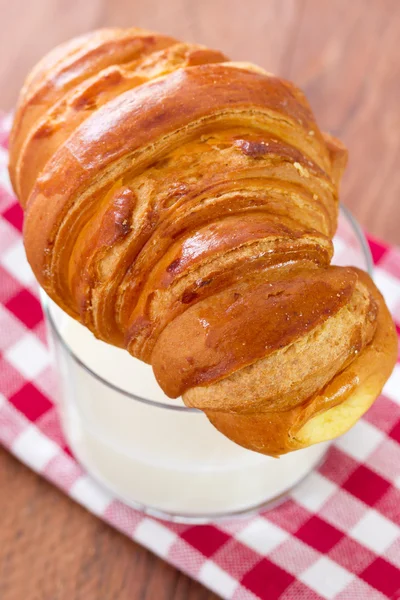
column 345, row 56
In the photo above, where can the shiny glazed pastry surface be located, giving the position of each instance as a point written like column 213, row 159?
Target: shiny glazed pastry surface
column 183, row 206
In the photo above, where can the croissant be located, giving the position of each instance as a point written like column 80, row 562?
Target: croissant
column 182, row 206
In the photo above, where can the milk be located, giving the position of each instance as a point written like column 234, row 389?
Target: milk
column 161, row 457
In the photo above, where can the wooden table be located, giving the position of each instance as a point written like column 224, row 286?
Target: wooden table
column 345, row 56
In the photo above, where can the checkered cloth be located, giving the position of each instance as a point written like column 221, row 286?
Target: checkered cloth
column 338, row 536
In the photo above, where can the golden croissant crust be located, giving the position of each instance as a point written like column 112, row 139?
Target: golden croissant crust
column 183, row 206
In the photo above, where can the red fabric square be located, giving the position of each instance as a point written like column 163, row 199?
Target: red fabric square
column 32, row 403
column 26, row 307
column 267, row 581
column 395, row 432
column 384, row 577
column 15, row 216
column 366, row 485
column 377, row 250
column 319, row 534
column 207, row 539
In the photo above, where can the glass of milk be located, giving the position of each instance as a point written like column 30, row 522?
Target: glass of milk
column 154, row 453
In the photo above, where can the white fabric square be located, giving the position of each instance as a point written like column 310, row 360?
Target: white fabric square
column 314, row 491
column 392, row 386
column 155, row 536
column 28, row 356
column 34, row 449
column 8, row 235
column 14, row 260
column 389, row 286
column 262, row 536
column 326, row 577
column 362, row 439
column 7, row 121
column 218, row 580
column 88, row 493
column 5, row 180
column 3, row 156
column 375, row 531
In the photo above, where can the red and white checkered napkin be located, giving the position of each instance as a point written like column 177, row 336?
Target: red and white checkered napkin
column 338, row 536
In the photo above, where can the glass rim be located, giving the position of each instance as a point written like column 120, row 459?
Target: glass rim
column 45, row 300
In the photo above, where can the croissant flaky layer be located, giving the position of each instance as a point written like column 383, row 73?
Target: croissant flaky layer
column 183, row 206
